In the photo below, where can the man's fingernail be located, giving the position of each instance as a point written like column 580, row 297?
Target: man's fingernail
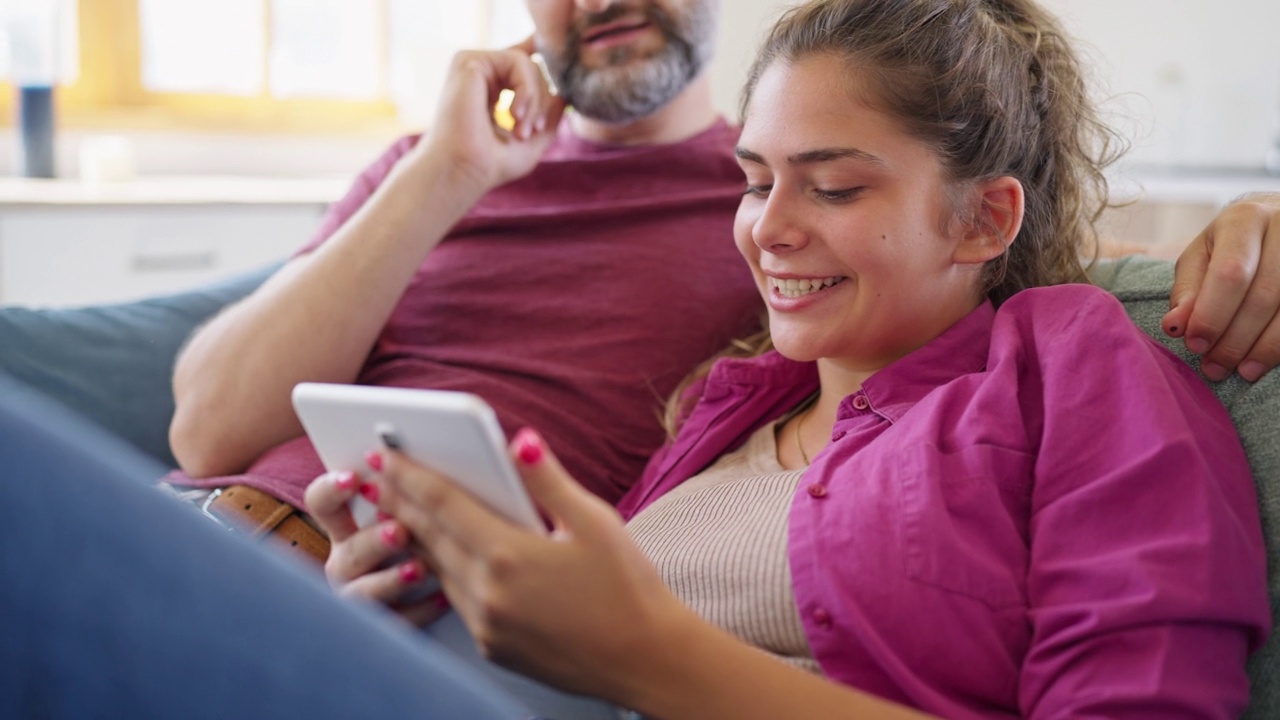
column 373, row 459
column 1214, row 371
column 528, row 447
column 345, row 480
column 1251, row 370
column 1199, row 346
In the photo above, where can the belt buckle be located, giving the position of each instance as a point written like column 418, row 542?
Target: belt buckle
column 204, row 508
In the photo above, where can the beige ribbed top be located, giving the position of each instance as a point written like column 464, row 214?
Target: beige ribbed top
column 720, row 543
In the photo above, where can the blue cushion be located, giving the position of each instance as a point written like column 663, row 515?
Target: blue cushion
column 114, row 363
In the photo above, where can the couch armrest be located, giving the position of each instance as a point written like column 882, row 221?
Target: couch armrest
column 1143, row 286
column 114, row 363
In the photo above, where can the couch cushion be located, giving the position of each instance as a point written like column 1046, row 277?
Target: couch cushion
column 114, row 363
column 1143, row 286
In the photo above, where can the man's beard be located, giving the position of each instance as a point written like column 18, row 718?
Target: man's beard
column 628, row 88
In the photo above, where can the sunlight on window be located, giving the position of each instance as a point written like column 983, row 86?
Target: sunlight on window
column 509, row 23
column 39, row 41
column 198, row 46
column 424, row 36
column 325, row 48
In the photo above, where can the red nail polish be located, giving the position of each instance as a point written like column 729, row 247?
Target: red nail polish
column 442, row 602
column 345, row 481
column 370, row 492
column 374, row 460
column 384, row 516
column 411, row 572
column 390, row 534
column 528, row 447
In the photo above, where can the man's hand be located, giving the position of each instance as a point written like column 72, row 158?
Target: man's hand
column 465, row 135
column 368, row 563
column 1226, row 292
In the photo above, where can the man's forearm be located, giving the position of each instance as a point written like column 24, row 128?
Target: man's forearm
column 315, row 320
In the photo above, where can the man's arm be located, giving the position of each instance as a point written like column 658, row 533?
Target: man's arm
column 318, row 318
column 1225, row 301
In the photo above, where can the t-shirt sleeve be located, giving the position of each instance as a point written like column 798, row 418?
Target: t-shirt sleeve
column 1147, row 579
column 359, row 193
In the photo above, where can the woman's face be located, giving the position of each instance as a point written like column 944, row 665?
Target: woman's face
column 846, row 223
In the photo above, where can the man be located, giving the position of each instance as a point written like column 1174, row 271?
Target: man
column 571, row 273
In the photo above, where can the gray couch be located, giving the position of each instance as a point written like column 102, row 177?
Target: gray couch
column 113, row 364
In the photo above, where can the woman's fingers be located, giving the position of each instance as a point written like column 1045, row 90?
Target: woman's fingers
column 327, row 500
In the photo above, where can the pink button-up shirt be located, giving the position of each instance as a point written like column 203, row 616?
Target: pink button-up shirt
column 1042, row 513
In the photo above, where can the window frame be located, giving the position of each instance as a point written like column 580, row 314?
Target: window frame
column 108, row 91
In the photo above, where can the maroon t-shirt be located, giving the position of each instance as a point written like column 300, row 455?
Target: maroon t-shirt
column 573, row 300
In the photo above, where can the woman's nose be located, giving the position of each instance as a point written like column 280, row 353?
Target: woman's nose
column 779, row 228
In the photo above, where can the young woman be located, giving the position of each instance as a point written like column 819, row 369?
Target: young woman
column 958, row 485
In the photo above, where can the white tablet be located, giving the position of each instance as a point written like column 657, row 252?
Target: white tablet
column 454, row 433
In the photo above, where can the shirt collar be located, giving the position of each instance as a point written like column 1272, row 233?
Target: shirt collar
column 960, row 350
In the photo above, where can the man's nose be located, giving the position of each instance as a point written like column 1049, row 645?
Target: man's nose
column 594, row 6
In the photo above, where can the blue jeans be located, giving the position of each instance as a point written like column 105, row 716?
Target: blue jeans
column 117, row 601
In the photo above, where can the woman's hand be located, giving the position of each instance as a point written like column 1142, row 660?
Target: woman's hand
column 580, row 608
column 370, row 563
column 1226, row 294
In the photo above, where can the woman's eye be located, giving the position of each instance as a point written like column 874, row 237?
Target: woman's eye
column 837, row 195
column 758, row 190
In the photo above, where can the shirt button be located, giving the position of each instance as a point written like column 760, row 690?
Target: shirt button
column 860, row 402
column 823, row 618
column 818, row 490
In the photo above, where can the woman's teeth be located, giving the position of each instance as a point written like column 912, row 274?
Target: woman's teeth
column 792, row 288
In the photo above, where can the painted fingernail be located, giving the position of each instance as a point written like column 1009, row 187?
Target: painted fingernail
column 442, row 602
column 1251, row 370
column 1214, row 371
column 373, row 459
column 345, row 480
column 390, row 535
column 411, row 573
column 370, row 492
column 528, row 447
column 1199, row 346
column 384, row 516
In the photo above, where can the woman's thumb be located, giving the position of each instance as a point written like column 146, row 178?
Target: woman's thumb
column 552, row 489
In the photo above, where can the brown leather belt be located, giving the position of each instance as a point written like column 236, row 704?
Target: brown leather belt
column 260, row 515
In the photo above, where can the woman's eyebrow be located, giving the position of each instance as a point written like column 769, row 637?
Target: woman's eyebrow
column 810, row 157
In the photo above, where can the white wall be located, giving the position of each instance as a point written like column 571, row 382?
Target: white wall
column 1191, row 82
column 1195, row 83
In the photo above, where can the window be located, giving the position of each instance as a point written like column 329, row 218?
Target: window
column 272, row 65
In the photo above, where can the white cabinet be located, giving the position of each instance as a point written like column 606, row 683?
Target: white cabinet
column 63, row 248
column 91, row 255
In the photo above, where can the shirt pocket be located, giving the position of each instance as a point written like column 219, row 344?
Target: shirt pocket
column 964, row 518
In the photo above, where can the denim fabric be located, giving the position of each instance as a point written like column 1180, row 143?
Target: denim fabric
column 118, row 601
column 114, row 363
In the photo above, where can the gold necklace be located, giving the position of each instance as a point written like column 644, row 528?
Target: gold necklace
column 799, row 442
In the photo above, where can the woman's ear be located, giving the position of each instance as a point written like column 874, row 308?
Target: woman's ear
column 996, row 222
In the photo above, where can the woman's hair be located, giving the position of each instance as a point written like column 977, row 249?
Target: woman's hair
column 995, row 89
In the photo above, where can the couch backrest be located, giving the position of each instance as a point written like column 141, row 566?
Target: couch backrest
column 1143, row 286
column 114, row 363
